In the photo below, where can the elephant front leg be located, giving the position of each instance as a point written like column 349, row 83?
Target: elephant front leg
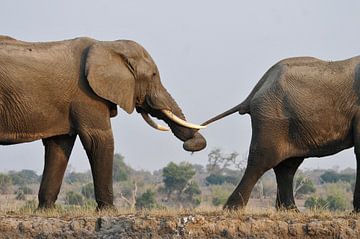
column 57, row 153
column 99, row 146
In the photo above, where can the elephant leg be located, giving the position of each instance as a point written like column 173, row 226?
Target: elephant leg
column 99, row 146
column 57, row 153
column 260, row 160
column 356, row 199
column 285, row 172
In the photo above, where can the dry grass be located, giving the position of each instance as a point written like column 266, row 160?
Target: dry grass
column 254, row 213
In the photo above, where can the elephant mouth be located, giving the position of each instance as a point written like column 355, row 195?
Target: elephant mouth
column 185, row 131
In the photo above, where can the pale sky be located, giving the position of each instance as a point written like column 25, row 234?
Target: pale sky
column 210, row 55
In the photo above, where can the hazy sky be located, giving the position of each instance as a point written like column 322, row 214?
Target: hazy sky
column 210, row 55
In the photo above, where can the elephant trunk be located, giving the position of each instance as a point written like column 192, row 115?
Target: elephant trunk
column 193, row 140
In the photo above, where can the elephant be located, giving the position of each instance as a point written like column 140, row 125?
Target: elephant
column 56, row 91
column 302, row 107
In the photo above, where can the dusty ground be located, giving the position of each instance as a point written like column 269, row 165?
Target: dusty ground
column 185, row 224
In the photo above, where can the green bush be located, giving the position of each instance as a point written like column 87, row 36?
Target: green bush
column 332, row 202
column 73, row 198
column 315, row 203
column 303, row 186
column 146, row 200
column 220, row 194
column 88, row 191
column 336, row 202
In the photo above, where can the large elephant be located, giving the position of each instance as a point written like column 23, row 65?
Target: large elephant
column 57, row 90
column 302, row 107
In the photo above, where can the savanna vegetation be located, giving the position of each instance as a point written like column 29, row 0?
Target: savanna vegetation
column 184, row 185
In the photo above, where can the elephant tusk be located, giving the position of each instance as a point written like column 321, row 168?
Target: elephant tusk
column 153, row 124
column 181, row 122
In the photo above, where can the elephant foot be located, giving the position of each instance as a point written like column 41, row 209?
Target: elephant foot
column 106, row 207
column 291, row 208
column 46, row 206
column 355, row 211
column 233, row 205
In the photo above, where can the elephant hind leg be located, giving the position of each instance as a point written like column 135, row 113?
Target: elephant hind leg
column 259, row 161
column 285, row 172
column 57, row 153
column 356, row 133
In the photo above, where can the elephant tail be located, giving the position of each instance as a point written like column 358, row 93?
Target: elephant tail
column 242, row 108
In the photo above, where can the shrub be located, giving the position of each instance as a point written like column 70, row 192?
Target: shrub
column 336, row 202
column 88, row 191
column 315, row 203
column 146, row 200
column 303, row 186
column 75, row 177
column 26, row 190
column 220, row 194
column 73, row 198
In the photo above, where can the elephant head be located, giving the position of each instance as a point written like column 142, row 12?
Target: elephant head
column 123, row 73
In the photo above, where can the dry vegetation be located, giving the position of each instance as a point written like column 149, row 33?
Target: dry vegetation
column 198, row 223
column 152, row 205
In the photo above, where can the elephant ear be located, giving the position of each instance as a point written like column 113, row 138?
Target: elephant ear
column 111, row 76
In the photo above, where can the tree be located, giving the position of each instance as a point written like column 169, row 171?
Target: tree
column 303, row 185
column 330, row 177
column 192, row 193
column 24, row 177
column 218, row 179
column 219, row 161
column 120, row 169
column 176, row 177
column 146, row 200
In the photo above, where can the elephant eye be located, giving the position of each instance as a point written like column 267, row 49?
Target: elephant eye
column 153, row 75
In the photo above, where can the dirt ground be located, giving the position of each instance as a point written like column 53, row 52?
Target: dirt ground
column 215, row 224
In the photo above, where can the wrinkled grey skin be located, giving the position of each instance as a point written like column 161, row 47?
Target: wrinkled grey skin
column 57, row 90
column 302, row 107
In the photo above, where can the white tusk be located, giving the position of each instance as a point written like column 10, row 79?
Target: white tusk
column 153, row 124
column 181, row 122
